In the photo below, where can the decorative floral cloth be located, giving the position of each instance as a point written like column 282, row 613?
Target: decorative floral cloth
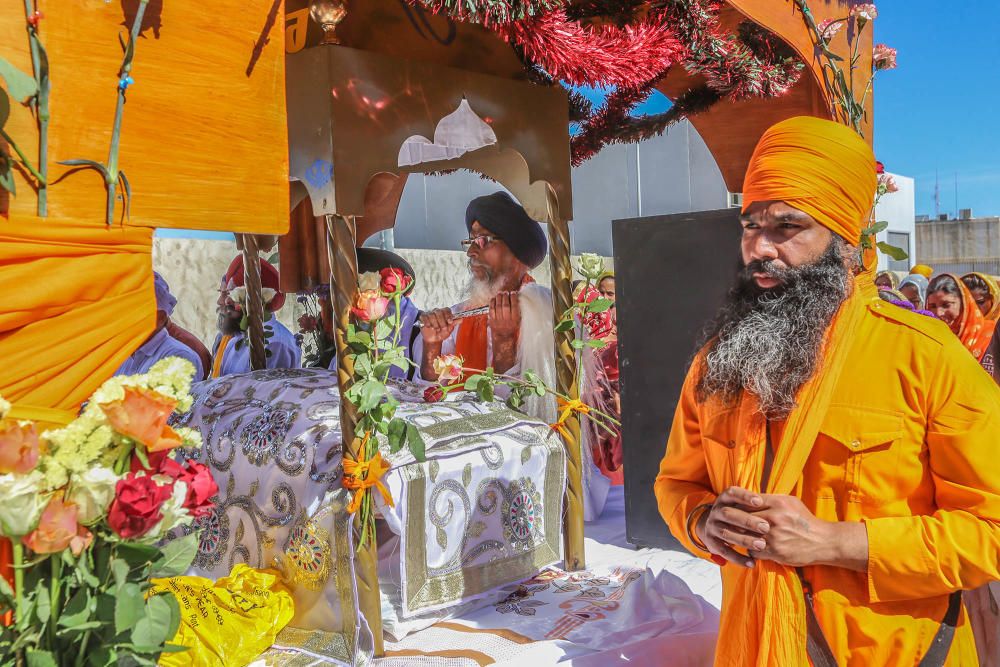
column 484, row 510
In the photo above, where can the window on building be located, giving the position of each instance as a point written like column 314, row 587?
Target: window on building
column 900, row 240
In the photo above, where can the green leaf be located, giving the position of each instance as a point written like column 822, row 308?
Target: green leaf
column 140, row 453
column 37, row 658
column 577, row 344
column 129, row 608
column 892, row 251
column 137, row 555
column 371, row 395
column 599, row 305
column 43, row 603
column 472, row 384
column 4, row 108
column 876, row 228
column 7, row 175
column 87, row 163
column 159, row 624
column 177, row 557
column 397, row 435
column 127, row 189
column 78, row 610
column 597, row 343
column 416, row 443
column 357, row 336
column 119, row 568
column 565, row 325
column 6, row 592
column 129, row 53
column 21, row 86
column 485, row 392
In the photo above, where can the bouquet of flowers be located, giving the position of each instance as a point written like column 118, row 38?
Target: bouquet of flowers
column 86, row 508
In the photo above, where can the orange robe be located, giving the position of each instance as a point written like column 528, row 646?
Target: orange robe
column 906, row 442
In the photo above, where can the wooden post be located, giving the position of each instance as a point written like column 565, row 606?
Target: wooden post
column 341, row 251
column 255, row 302
column 566, row 383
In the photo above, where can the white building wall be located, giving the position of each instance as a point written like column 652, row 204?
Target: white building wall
column 897, row 208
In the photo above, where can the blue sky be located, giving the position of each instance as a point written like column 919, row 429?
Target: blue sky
column 940, row 109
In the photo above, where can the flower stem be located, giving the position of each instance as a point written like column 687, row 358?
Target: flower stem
column 18, row 554
column 111, row 176
column 54, row 603
column 41, row 106
column 23, row 158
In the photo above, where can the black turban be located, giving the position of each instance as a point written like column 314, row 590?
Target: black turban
column 375, row 259
column 503, row 216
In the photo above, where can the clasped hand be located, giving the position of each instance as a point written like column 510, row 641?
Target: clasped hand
column 770, row 527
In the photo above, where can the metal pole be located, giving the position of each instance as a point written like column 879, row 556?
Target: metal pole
column 343, row 257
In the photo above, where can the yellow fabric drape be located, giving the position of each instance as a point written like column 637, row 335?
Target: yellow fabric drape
column 77, row 301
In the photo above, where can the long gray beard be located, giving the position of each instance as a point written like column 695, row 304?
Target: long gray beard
column 769, row 342
column 479, row 292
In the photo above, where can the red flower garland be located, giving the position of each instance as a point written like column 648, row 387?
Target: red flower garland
column 595, row 56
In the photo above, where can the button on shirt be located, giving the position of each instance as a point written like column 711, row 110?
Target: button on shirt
column 159, row 346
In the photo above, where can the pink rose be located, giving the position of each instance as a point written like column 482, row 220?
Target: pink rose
column 369, row 306
column 449, row 368
column 18, row 447
column 888, row 182
column 56, row 529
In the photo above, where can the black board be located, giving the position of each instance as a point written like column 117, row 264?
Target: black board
column 672, row 274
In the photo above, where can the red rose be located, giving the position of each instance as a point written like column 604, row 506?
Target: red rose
column 433, row 394
column 394, row 280
column 879, row 167
column 201, row 485
column 136, row 507
column 155, row 459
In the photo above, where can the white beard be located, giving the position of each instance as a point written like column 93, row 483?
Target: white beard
column 479, row 292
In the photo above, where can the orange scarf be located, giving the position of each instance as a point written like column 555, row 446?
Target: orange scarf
column 220, row 352
column 472, row 339
column 974, row 330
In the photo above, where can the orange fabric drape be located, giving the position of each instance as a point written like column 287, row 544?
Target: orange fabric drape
column 77, row 300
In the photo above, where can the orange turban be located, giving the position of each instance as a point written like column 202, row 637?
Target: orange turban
column 922, row 270
column 823, row 168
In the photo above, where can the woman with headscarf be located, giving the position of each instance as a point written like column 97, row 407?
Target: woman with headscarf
column 886, row 280
column 950, row 300
column 985, row 293
column 914, row 288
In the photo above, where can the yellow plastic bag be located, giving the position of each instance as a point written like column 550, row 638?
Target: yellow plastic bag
column 228, row 622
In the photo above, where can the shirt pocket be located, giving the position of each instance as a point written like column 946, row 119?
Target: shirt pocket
column 858, row 456
column 720, row 449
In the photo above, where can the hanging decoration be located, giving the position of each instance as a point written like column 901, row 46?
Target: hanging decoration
column 630, row 46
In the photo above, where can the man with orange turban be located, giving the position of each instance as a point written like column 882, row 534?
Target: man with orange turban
column 231, row 352
column 833, row 453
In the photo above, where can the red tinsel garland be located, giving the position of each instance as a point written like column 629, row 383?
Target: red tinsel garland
column 595, row 56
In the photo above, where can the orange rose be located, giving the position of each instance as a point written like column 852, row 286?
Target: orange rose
column 56, row 529
column 18, row 447
column 142, row 415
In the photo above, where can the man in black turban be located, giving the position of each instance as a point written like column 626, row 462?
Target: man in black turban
column 504, row 244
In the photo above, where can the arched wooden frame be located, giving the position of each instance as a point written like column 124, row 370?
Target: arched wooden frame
column 509, row 168
column 350, row 111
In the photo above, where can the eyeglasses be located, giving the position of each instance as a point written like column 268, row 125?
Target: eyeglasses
column 479, row 241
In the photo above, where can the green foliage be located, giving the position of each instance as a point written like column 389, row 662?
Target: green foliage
column 22, row 87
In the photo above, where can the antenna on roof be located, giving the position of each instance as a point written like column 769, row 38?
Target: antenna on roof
column 937, row 197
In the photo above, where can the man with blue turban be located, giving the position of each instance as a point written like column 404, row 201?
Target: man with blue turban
column 160, row 344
